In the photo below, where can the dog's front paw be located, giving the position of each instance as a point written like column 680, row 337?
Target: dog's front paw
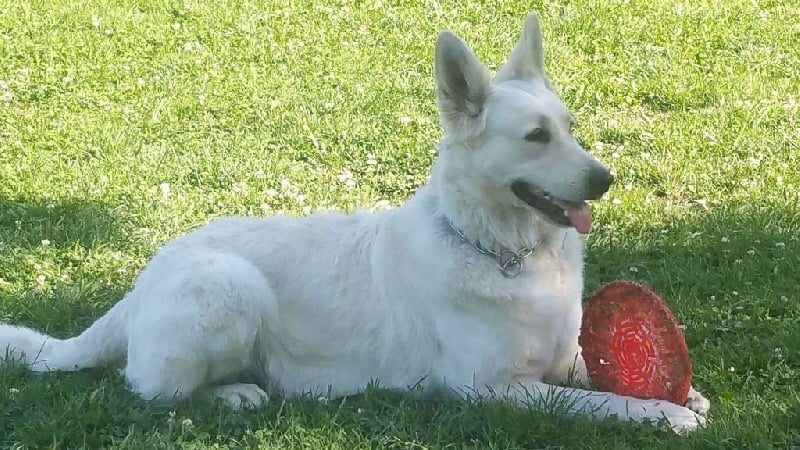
column 681, row 419
column 697, row 403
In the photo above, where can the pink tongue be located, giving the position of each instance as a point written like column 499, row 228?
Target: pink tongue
column 580, row 217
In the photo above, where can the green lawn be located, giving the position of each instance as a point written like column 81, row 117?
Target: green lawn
column 126, row 123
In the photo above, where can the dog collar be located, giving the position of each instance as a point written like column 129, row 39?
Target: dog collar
column 509, row 262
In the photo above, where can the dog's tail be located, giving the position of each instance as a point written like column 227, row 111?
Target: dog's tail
column 102, row 343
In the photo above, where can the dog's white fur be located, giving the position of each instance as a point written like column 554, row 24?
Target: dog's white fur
column 331, row 302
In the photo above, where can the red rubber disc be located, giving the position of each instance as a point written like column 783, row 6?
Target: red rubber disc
column 632, row 344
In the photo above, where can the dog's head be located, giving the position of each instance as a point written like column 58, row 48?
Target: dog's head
column 509, row 140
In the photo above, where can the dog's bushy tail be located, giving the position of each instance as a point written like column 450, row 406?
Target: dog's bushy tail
column 102, row 343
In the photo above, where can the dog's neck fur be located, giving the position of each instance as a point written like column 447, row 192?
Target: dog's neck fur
column 495, row 226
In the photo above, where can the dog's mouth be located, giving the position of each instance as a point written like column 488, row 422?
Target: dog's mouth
column 561, row 212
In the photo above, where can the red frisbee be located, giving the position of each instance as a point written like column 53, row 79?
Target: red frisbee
column 632, row 344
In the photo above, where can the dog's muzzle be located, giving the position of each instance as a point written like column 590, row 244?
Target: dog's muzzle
column 563, row 212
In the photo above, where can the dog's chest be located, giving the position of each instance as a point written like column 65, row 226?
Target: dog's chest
column 503, row 328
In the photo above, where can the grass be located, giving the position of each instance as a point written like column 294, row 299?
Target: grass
column 126, row 123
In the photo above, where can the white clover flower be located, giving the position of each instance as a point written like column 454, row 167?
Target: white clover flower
column 346, row 177
column 191, row 46
column 239, row 186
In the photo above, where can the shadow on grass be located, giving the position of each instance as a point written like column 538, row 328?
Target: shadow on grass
column 26, row 222
column 54, row 239
column 729, row 275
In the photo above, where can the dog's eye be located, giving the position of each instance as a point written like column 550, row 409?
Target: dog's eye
column 538, row 135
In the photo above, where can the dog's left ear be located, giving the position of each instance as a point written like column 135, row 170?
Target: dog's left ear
column 526, row 60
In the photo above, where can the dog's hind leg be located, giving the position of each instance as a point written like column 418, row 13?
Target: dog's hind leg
column 199, row 328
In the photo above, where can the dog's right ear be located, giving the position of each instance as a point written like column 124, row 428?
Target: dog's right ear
column 462, row 81
column 526, row 60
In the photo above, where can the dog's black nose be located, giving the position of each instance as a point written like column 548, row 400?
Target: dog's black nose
column 600, row 180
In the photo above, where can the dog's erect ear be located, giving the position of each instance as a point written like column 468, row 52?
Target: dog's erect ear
column 462, row 81
column 526, row 60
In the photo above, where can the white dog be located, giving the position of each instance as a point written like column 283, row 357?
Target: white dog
column 473, row 286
